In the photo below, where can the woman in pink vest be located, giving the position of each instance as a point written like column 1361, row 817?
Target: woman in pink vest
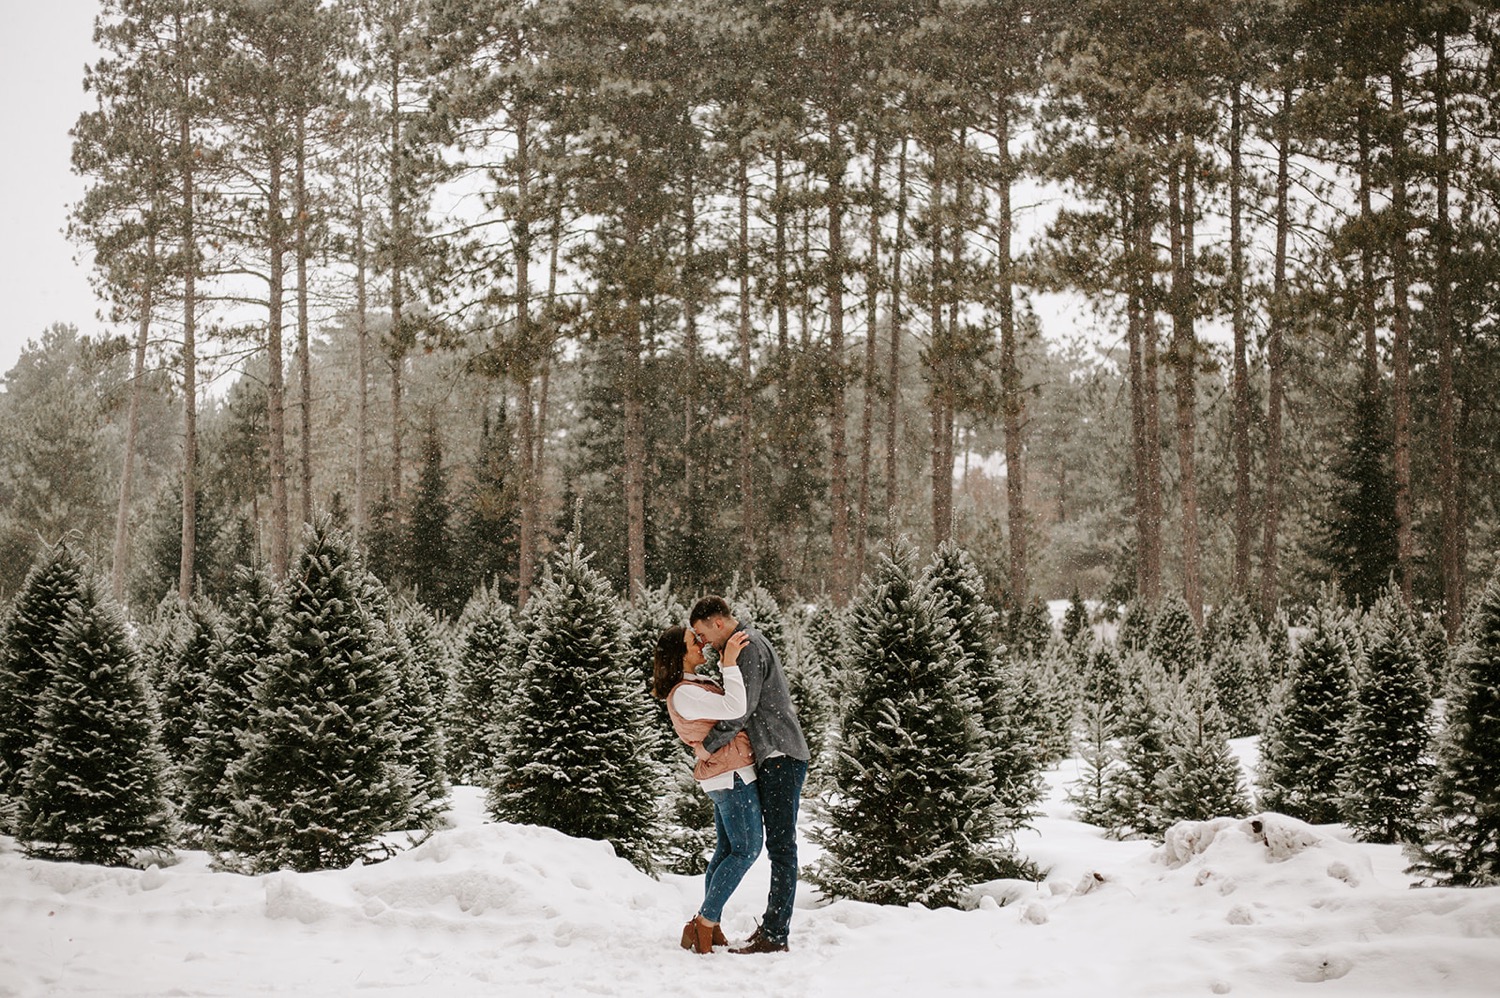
column 727, row 776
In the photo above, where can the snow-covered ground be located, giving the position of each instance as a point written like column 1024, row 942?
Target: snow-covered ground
column 488, row 909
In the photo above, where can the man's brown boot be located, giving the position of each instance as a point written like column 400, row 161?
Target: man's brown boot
column 758, row 943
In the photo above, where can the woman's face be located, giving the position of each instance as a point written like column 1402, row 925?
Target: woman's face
column 692, row 654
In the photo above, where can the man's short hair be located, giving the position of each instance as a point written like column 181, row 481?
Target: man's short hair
column 709, row 606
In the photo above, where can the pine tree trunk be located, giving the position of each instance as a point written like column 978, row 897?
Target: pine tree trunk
column 525, row 430
column 1145, row 416
column 1366, row 263
column 749, row 522
column 941, row 465
column 1012, row 401
column 1401, row 341
column 1240, row 383
column 1270, row 583
column 304, row 332
column 119, row 569
column 362, row 353
column 276, row 378
column 189, row 357
column 526, row 540
column 399, row 235
column 1448, row 473
column 633, row 406
column 893, row 369
column 871, row 385
column 1184, row 370
column 838, row 490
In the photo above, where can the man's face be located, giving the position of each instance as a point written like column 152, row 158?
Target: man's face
column 713, row 631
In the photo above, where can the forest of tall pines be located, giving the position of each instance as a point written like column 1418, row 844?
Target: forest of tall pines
column 1130, row 299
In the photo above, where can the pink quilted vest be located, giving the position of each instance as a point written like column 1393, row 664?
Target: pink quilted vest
column 735, row 755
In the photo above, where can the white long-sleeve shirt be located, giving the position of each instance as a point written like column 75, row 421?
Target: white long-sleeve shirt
column 697, row 703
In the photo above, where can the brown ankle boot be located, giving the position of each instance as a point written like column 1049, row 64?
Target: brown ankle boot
column 703, row 935
column 719, row 939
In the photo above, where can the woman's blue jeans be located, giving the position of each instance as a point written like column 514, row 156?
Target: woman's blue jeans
column 737, row 823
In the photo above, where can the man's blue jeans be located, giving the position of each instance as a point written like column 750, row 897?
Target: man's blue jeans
column 779, row 780
column 737, row 823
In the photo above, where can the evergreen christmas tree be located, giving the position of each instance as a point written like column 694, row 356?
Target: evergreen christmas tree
column 755, row 606
column 29, row 637
column 1076, row 620
column 489, row 652
column 1202, row 780
column 182, row 692
column 1090, row 794
column 1012, row 747
column 1174, row 643
column 1356, row 541
column 1028, row 630
column 1102, row 680
column 1045, row 699
column 913, row 812
column 322, row 773
column 1386, row 767
column 432, row 646
column 219, row 727
column 1302, row 751
column 1238, row 667
column 428, row 566
column 816, row 663
column 652, row 612
column 157, row 640
column 1278, row 649
column 489, row 510
column 417, row 716
column 1134, row 796
column 92, row 789
column 1435, row 651
column 1135, row 626
column 1460, row 819
column 575, row 754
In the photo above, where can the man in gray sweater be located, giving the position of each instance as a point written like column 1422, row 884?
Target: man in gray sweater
column 781, row 757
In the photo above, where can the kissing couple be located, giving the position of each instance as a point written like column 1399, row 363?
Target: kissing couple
column 751, row 761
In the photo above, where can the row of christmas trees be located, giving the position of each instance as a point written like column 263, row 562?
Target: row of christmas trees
column 1367, row 720
column 298, row 725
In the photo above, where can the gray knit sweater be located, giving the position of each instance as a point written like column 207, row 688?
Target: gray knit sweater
column 770, row 716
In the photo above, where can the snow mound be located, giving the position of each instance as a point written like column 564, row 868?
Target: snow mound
column 497, row 873
column 1245, row 847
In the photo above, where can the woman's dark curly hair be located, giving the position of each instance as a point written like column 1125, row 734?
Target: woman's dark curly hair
column 666, row 667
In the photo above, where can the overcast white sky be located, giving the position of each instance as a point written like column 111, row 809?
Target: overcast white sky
column 43, row 49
